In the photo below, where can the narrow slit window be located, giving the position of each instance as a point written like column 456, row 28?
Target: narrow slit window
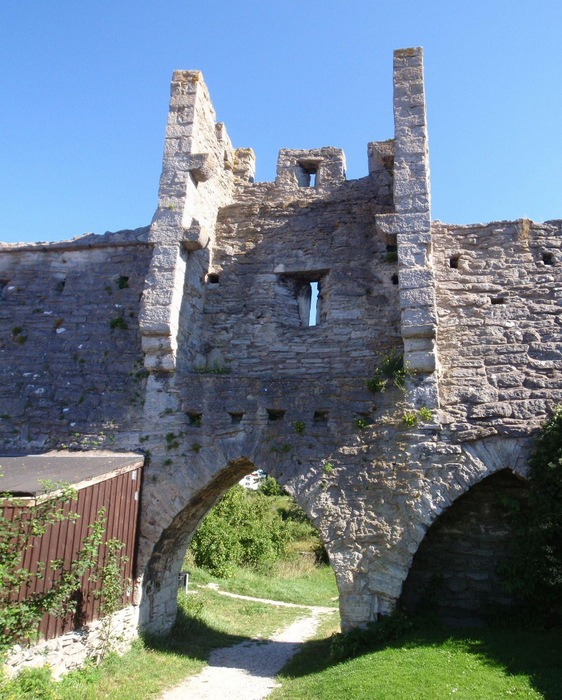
column 497, row 300
column 314, row 293
column 394, row 279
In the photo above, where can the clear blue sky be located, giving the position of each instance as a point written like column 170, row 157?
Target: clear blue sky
column 85, row 89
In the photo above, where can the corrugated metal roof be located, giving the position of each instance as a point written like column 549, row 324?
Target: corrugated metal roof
column 20, row 475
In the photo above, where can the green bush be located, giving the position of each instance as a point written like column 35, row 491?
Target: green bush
column 390, row 372
column 360, row 640
column 270, row 487
column 535, row 574
column 30, row 683
column 241, row 529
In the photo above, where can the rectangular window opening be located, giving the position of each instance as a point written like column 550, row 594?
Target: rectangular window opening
column 195, row 419
column 497, row 300
column 275, row 414
column 321, row 416
column 307, row 175
column 454, row 261
column 236, row 416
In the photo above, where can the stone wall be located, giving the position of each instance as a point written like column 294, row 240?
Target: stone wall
column 70, row 651
column 70, row 357
column 455, row 571
column 499, row 300
column 233, row 363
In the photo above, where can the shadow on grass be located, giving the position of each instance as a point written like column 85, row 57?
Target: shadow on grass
column 191, row 636
column 536, row 654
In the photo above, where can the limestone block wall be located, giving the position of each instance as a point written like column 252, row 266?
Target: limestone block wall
column 197, row 177
column 72, row 650
column 500, row 335
column 268, row 246
column 224, row 362
column 70, row 354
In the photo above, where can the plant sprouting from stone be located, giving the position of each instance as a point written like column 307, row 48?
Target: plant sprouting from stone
column 118, row 322
column 390, row 372
column 425, row 414
column 410, row 418
column 361, row 423
column 299, row 427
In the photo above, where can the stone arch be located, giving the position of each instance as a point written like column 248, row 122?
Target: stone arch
column 158, row 605
column 469, row 535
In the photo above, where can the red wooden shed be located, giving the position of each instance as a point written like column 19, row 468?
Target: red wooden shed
column 101, row 479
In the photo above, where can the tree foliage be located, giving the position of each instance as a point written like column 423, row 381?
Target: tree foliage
column 535, row 574
column 270, row 487
column 240, row 529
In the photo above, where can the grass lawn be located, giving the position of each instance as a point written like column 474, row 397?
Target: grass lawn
column 291, row 583
column 462, row 664
column 206, row 621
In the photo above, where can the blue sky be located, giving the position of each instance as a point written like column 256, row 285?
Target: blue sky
column 85, row 89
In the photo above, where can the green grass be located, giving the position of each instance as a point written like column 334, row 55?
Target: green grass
column 206, row 621
column 463, row 664
column 292, row 581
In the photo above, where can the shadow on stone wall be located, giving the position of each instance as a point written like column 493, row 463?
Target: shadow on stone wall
column 454, row 572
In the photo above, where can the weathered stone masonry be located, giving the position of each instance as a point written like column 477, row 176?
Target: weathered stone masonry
column 216, row 312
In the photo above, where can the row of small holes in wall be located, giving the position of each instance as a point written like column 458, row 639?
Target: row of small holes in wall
column 547, row 258
column 273, row 414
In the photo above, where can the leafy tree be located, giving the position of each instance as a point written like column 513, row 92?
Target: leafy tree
column 240, row 529
column 270, row 487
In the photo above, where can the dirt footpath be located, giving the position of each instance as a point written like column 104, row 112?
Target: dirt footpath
column 247, row 671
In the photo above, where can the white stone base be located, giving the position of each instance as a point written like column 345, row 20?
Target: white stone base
column 70, row 651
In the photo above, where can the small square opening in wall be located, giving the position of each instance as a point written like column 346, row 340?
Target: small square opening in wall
column 548, row 258
column 195, row 419
column 236, row 416
column 497, row 300
column 394, row 278
column 307, row 173
column 321, row 416
column 454, row 261
column 274, row 414
column 213, row 278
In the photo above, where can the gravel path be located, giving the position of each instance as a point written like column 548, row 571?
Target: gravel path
column 247, row 671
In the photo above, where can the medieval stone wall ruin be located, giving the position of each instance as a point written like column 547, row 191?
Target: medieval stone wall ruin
column 216, row 308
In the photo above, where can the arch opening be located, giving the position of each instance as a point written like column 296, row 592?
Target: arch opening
column 254, row 513
column 454, row 573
